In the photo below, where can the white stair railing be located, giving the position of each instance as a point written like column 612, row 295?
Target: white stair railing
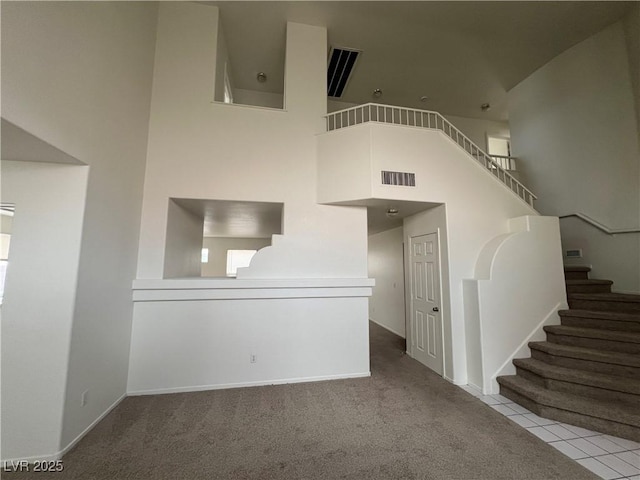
column 410, row 117
column 508, row 163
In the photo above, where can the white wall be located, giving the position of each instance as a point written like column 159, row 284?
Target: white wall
column 230, row 152
column 610, row 256
column 6, row 222
column 213, row 147
column 478, row 206
column 207, row 344
column 342, row 159
column 502, row 314
column 183, row 242
column 222, row 66
column 39, row 297
column 77, row 75
column 218, row 246
column 386, row 305
column 257, row 98
column 573, row 127
column 631, row 25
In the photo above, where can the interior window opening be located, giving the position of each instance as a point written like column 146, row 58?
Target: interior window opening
column 249, row 84
column 213, row 238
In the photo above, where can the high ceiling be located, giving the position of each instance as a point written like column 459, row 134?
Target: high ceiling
column 458, row 54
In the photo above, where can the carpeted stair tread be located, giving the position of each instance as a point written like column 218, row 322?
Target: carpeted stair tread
column 588, row 281
column 619, row 413
column 582, row 377
column 607, row 297
column 601, row 314
column 595, row 333
column 587, row 285
column 587, row 373
column 611, row 302
column 589, row 354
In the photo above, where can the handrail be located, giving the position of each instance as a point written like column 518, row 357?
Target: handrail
column 373, row 112
column 600, row 226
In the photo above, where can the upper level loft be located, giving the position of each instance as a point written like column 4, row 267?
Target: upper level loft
column 499, row 167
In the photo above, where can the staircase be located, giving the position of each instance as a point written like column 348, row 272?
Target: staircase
column 587, row 373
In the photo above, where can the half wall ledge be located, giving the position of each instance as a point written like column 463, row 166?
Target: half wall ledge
column 182, row 289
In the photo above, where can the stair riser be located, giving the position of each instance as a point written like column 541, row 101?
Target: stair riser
column 588, row 365
column 531, row 376
column 599, row 305
column 592, row 392
column 576, row 275
column 579, row 389
column 599, row 323
column 573, row 418
column 595, row 343
column 588, row 288
column 518, row 398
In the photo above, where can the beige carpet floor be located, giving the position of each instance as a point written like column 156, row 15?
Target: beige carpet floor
column 404, row 422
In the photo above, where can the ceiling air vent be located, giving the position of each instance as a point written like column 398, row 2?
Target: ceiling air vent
column 404, row 179
column 341, row 63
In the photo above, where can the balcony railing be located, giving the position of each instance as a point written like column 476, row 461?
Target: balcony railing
column 410, row 117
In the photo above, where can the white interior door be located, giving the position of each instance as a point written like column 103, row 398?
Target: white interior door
column 426, row 317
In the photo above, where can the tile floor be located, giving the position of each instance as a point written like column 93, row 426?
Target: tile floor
column 609, row 457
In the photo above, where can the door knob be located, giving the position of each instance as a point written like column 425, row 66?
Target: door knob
column 436, row 309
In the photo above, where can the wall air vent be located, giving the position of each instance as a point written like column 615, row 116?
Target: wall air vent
column 399, row 178
column 341, row 63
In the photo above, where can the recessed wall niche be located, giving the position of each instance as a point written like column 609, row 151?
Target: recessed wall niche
column 219, row 226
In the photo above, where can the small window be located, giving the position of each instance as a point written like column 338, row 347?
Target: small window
column 238, row 259
column 205, row 255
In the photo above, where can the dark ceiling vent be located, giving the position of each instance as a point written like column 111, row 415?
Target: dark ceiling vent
column 341, row 63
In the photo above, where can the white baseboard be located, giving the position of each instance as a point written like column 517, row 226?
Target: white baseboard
column 58, row 455
column 223, row 386
column 388, row 328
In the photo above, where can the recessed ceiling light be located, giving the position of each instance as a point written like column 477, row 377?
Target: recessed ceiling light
column 485, row 107
column 392, row 212
column 377, row 93
column 261, row 77
column 424, row 98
